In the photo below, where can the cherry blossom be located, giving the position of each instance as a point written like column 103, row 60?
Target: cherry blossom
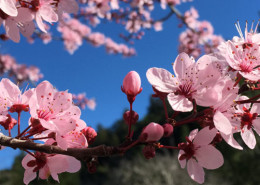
column 199, row 154
column 193, row 81
column 48, row 165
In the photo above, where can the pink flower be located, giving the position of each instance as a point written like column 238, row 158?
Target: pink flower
column 132, row 84
column 151, row 133
column 194, row 81
column 199, row 153
column 44, row 11
column 54, row 109
column 244, row 119
column 242, row 54
column 48, row 165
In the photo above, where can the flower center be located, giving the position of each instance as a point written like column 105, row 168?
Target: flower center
column 247, row 118
column 45, row 114
column 188, row 148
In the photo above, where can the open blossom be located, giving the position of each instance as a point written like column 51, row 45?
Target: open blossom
column 47, row 165
column 194, row 81
column 198, row 153
column 54, row 109
column 244, row 119
column 44, row 11
column 243, row 54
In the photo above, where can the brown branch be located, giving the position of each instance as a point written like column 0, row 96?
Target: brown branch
column 79, row 153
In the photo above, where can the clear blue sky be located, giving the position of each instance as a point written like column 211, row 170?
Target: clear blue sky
column 100, row 75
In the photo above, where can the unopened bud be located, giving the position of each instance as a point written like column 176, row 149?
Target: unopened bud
column 168, row 129
column 149, row 151
column 151, row 133
column 90, row 134
column 131, row 85
column 130, row 118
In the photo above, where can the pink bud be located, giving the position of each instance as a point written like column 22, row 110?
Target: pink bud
column 168, row 129
column 149, row 152
column 131, row 119
column 132, row 84
column 90, row 134
column 151, row 133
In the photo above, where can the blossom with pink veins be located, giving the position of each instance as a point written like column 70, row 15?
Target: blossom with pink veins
column 14, row 24
column 199, row 153
column 243, row 54
column 44, row 11
column 12, row 98
column 48, row 164
column 244, row 119
column 200, row 81
column 54, row 109
column 220, row 119
column 8, row 6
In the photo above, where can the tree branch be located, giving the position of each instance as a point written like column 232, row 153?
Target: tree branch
column 79, row 153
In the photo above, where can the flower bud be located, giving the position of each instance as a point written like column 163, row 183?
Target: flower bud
column 90, row 134
column 9, row 123
column 132, row 85
column 151, row 133
column 149, row 152
column 168, row 129
column 130, row 119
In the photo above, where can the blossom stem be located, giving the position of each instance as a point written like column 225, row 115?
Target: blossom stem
column 165, row 108
column 248, row 100
column 18, row 136
column 130, row 122
column 169, row 147
column 130, row 146
column 19, row 120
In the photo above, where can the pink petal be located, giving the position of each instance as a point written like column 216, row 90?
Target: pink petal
column 161, row 79
column 27, row 29
column 209, row 157
column 182, row 162
column 29, row 175
column 44, row 172
column 48, row 14
column 69, row 6
column 204, row 136
column 181, row 64
column 74, row 165
column 193, row 133
column 256, row 125
column 24, row 15
column 180, row 103
column 248, row 137
column 40, row 22
column 8, row 6
column 26, row 159
column 231, row 141
column 12, row 31
column 195, row 171
column 222, row 123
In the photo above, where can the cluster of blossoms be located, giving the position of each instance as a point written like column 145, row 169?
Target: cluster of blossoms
column 199, row 37
column 82, row 101
column 20, row 72
column 213, row 84
column 73, row 33
column 136, row 16
column 55, row 120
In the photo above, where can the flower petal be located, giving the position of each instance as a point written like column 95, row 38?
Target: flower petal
column 195, row 171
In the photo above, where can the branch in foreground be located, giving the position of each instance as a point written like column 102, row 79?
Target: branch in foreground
column 79, row 153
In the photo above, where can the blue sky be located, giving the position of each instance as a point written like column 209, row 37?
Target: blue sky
column 100, row 75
